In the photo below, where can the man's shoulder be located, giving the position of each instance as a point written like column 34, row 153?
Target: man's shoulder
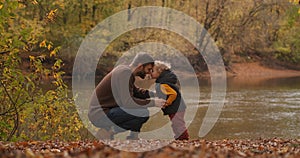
column 122, row 69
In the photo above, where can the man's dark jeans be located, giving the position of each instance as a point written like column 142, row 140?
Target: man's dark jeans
column 123, row 121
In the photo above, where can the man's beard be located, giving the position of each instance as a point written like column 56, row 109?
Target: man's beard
column 141, row 74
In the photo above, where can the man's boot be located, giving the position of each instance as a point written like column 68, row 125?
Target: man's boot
column 104, row 134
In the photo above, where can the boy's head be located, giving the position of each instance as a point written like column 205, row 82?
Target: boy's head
column 159, row 67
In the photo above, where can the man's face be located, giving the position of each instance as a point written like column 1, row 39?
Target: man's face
column 147, row 69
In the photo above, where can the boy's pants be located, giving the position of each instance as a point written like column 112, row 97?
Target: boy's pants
column 178, row 126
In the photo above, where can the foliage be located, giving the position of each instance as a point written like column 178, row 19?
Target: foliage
column 288, row 44
column 240, row 28
column 28, row 111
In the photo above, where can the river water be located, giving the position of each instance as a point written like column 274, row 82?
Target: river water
column 253, row 108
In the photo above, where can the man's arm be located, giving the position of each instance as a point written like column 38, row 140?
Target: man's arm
column 142, row 93
column 124, row 89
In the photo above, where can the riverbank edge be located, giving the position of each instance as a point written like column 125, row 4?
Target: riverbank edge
column 254, row 70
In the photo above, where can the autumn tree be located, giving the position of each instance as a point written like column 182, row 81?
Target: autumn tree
column 28, row 111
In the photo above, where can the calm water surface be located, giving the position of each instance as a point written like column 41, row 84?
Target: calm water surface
column 253, row 108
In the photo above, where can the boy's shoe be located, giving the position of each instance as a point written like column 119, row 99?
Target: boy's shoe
column 104, row 134
column 183, row 136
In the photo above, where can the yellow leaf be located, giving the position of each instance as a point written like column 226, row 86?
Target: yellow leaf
column 49, row 46
column 31, row 57
column 51, row 14
column 1, row 6
column 299, row 11
column 34, row 2
column 56, row 83
column 43, row 44
column 53, row 53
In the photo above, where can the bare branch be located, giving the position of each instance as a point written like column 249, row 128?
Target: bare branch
column 16, row 120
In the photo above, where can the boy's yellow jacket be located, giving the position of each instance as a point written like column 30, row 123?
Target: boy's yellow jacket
column 167, row 90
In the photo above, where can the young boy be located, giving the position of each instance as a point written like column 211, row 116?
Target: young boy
column 167, row 88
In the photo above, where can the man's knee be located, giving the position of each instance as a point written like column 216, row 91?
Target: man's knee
column 101, row 122
column 143, row 119
column 143, row 113
column 145, row 116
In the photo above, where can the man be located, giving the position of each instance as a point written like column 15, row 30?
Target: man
column 117, row 104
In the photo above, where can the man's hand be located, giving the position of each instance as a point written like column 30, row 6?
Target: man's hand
column 159, row 102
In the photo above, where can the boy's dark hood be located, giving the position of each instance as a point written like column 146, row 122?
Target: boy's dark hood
column 167, row 76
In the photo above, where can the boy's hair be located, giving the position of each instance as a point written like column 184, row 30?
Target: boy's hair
column 162, row 66
column 142, row 58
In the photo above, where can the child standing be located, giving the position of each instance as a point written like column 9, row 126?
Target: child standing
column 167, row 88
